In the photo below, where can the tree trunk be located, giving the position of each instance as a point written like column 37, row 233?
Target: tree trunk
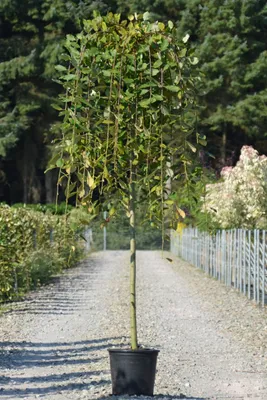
column 168, row 185
column 49, row 187
column 223, row 150
column 25, row 172
column 134, row 344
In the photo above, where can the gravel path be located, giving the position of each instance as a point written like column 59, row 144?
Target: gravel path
column 212, row 341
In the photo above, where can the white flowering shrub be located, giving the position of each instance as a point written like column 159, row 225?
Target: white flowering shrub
column 240, row 199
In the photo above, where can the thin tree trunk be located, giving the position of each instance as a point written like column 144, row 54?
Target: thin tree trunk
column 49, row 187
column 223, row 150
column 134, row 344
column 25, row 173
column 168, row 185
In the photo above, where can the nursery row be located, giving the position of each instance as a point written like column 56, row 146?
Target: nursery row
column 33, row 247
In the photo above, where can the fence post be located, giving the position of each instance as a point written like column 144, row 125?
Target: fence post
column 105, row 233
column 249, row 264
column 88, row 238
column 244, row 260
column 254, row 265
column 258, row 266
column 263, row 267
column 51, row 239
column 241, row 262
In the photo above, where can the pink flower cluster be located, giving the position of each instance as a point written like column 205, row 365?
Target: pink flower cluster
column 240, row 199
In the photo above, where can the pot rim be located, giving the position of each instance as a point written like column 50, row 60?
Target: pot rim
column 130, row 351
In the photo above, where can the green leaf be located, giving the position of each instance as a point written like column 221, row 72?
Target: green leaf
column 112, row 211
column 60, row 68
column 104, row 26
column 170, row 24
column 194, row 60
column 191, row 146
column 56, row 107
column 182, row 53
column 107, row 73
column 60, row 163
column 164, row 44
column 69, row 77
column 148, row 85
column 172, row 88
column 169, row 202
column 164, row 110
column 128, row 80
column 157, row 64
column 146, row 16
column 106, row 173
column 154, row 71
column 90, row 181
column 145, row 103
column 201, row 139
column 106, row 121
column 69, row 190
column 157, row 97
column 186, row 37
column 144, row 91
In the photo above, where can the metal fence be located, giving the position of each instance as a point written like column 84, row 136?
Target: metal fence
column 236, row 257
column 88, row 235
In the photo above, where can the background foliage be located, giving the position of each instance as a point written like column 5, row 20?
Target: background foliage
column 231, row 44
column 33, row 247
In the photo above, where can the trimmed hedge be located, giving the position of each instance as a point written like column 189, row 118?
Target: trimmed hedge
column 33, row 247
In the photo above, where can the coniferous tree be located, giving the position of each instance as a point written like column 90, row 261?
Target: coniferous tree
column 162, row 10
column 32, row 34
column 231, row 38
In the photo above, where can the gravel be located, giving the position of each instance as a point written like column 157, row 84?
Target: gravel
column 212, row 340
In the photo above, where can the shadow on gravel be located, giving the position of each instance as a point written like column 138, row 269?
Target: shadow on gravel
column 63, row 295
column 57, row 344
column 59, row 302
column 15, row 393
column 20, row 357
column 156, row 397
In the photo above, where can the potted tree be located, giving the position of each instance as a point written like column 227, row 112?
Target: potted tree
column 128, row 111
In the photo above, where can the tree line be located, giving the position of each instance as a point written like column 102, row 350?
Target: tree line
column 230, row 38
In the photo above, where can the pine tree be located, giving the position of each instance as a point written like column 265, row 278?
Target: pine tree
column 32, row 34
column 231, row 38
column 162, row 10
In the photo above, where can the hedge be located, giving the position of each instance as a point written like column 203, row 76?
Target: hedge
column 33, row 247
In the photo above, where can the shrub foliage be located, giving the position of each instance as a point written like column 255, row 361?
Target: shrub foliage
column 33, row 247
column 239, row 199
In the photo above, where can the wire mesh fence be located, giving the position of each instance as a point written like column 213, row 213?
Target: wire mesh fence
column 236, row 257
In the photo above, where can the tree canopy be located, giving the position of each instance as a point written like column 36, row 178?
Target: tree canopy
column 127, row 83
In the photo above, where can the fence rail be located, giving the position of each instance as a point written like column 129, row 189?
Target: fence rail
column 236, row 257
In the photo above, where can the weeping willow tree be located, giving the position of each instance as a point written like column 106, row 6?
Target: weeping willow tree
column 127, row 85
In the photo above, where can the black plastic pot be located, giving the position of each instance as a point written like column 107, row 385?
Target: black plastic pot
column 133, row 371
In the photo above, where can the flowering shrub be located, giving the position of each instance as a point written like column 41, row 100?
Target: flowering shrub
column 33, row 246
column 240, row 199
